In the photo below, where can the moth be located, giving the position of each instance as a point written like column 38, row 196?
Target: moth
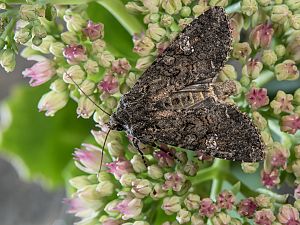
column 178, row 102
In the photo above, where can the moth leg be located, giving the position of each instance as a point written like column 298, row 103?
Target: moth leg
column 135, row 143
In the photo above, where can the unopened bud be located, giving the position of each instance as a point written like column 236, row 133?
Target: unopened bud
column 76, row 73
column 86, row 107
column 53, row 101
column 269, row 57
column 172, row 6
column 287, row 70
column 69, row 38
column 56, row 48
column 295, row 21
column 249, row 7
column 280, row 50
column 8, row 60
column 280, row 14
column 58, row 85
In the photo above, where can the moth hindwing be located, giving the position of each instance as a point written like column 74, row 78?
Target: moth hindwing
column 177, row 102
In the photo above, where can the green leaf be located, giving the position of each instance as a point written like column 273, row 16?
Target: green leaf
column 45, row 144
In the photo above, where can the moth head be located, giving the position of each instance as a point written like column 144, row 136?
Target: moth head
column 114, row 123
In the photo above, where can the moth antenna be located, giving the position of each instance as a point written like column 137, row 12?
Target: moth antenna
column 89, row 98
column 102, row 151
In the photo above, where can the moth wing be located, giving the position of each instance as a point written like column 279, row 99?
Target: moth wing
column 214, row 127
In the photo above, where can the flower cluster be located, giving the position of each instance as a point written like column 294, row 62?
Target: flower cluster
column 176, row 186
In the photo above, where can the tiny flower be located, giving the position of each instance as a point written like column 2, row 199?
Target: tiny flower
column 166, row 20
column 111, row 209
column 8, row 60
column 257, row 97
column 138, row 164
column 252, row 69
column 290, row 123
column 98, row 46
column 207, row 207
column 143, row 63
column 185, row 11
column 228, row 72
column 171, row 6
column 192, row 201
column 143, row 45
column 91, row 66
column 155, row 32
column 68, row 37
column 225, row 200
column 259, row 121
column 182, row 23
column 247, row 207
column 249, row 167
column 152, row 5
column 287, row 70
column 86, row 107
column 270, row 179
column 74, row 22
column 127, row 179
column 264, row 217
column 241, row 51
column 296, row 168
column 141, row 188
column 130, row 208
column 52, row 101
column 80, row 207
column 94, row 30
column 200, row 8
column 40, row 72
column 171, row 205
column 157, row 192
column 288, row 215
column 155, row 172
column 279, row 155
column 88, row 158
column 295, row 21
column 75, row 53
column 111, row 102
column 115, row 148
column 56, row 48
column 264, row 2
column 221, row 219
column 183, row 216
column 135, row 7
column 74, row 74
column 39, row 30
column 191, row 168
column 262, row 35
column 196, row 219
column 263, row 201
column 292, row 4
column 23, row 35
column 109, row 84
column 174, row 181
column 119, row 167
column 279, row 14
column 80, row 182
column 121, row 66
column 280, row 50
column 105, row 58
column 282, row 103
column 249, row 7
column 269, row 57
column 297, row 192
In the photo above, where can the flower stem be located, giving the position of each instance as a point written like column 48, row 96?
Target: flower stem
column 217, row 183
column 277, row 197
column 265, row 77
column 233, row 8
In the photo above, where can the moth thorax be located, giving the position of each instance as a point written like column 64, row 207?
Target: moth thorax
column 114, row 123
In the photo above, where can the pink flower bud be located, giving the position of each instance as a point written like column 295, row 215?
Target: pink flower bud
column 288, row 215
column 174, row 181
column 119, row 167
column 207, row 207
column 290, row 123
column 109, row 84
column 165, row 158
column 264, row 217
column 40, row 72
column 257, row 97
column 121, row 66
column 94, row 30
column 225, row 200
column 130, row 208
column 282, row 103
column 270, row 179
column 247, row 207
column 261, row 35
column 75, row 53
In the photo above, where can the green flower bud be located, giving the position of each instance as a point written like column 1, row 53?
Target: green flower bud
column 115, row 149
column 98, row 46
column 111, row 102
column 245, row 81
column 166, row 20
column 191, row 168
column 88, row 87
column 269, row 57
column 293, row 4
column 131, row 79
column 105, row 58
column 264, row 2
column 249, row 7
column 23, row 35
column 280, row 14
column 228, row 73
column 171, row 6
column 192, row 202
column 69, row 37
column 282, row 103
column 91, row 66
column 196, row 219
column 143, row 63
column 74, row 23
column 185, row 11
column 157, row 192
column 221, row 218
column 171, row 205
column 259, row 120
column 135, row 7
column 297, row 96
column 152, row 5
column 56, row 48
column 105, row 188
column 200, row 9
column 280, row 50
column 241, row 51
column 154, row 18
column 53, row 101
column 86, row 107
column 124, row 88
column 155, row 172
column 110, row 208
column 249, row 167
column 39, row 30
column 76, row 73
column 266, row 137
column 8, row 60
column 183, row 216
column 287, row 70
column 263, row 201
column 80, row 182
column 58, row 85
column 222, row 3
column 127, row 179
column 45, row 45
column 138, row 164
column 186, row 2
column 141, row 188
column 295, row 21
column 37, row 41
column 155, row 32
column 252, row 69
column 182, row 23
column 30, row 12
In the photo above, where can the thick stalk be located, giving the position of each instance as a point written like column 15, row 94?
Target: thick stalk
column 217, row 183
column 233, row 8
column 265, row 77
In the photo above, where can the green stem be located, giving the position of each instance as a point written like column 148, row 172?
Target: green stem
column 265, row 77
column 118, row 10
column 217, row 183
column 286, row 139
column 233, row 8
column 277, row 197
column 9, row 28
